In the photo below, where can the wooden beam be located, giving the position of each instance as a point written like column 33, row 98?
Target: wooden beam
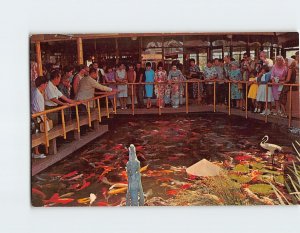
column 39, row 58
column 79, row 51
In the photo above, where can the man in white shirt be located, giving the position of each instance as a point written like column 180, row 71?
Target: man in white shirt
column 38, row 105
column 53, row 96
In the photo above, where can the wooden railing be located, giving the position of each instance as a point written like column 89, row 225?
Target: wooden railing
column 62, row 108
column 226, row 82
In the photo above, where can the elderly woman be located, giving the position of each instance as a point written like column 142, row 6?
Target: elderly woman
column 278, row 75
column 236, row 89
column 291, row 78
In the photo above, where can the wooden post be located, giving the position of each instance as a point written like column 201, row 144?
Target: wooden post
column 290, row 107
column 214, row 96
column 46, row 133
column 229, row 99
column 39, row 57
column 77, row 119
column 246, row 100
column 99, row 110
column 63, row 123
column 266, row 107
column 132, row 99
column 107, row 110
column 115, row 103
column 53, row 147
column 199, row 101
column 117, row 51
column 79, row 51
column 186, row 98
column 159, row 100
column 89, row 113
column 96, row 125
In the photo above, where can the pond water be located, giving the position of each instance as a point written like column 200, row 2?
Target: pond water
column 167, row 144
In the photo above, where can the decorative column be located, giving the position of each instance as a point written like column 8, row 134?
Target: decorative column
column 79, row 51
column 39, row 58
column 117, row 51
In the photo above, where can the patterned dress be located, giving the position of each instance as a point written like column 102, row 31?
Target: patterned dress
column 235, row 75
column 122, row 88
column 159, row 90
column 278, row 74
column 196, row 69
column 177, row 90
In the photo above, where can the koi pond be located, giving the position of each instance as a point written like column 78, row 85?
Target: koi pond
column 166, row 145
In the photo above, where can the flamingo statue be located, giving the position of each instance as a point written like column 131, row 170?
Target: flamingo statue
column 270, row 147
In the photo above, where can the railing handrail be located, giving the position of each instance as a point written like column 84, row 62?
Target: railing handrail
column 201, row 81
column 34, row 115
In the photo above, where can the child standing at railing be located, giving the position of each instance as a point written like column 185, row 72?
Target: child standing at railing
column 263, row 79
column 110, row 79
column 253, row 90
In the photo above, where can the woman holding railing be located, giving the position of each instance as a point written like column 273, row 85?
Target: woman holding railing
column 110, row 79
column 278, row 75
column 160, row 77
column 174, row 77
column 121, row 77
column 149, row 74
column 236, row 88
column 291, row 79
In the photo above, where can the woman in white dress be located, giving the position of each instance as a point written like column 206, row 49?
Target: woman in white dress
column 264, row 78
column 121, row 78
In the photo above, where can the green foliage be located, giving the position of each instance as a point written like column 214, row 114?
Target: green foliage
column 264, row 189
column 241, row 168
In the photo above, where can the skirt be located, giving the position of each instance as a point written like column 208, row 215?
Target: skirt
column 253, row 91
column 149, row 90
column 123, row 91
column 261, row 94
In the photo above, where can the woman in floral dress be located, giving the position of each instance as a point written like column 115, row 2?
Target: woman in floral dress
column 235, row 76
column 177, row 89
column 160, row 77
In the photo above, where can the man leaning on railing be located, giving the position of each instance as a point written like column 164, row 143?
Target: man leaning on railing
column 53, row 96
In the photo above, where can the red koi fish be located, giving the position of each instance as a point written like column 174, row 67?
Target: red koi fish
column 69, row 175
column 57, row 200
column 118, row 147
column 102, row 203
column 172, row 192
column 90, row 176
column 85, row 184
column 185, row 186
column 139, row 148
column 243, row 157
column 38, row 192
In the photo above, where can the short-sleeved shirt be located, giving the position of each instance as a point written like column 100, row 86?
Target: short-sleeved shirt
column 138, row 75
column 50, row 93
column 195, row 69
column 37, row 101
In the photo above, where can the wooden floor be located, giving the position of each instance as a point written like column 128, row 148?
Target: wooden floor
column 193, row 108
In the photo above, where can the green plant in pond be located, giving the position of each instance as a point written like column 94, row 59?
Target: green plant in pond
column 241, row 168
column 242, row 179
column 264, row 189
column 257, row 166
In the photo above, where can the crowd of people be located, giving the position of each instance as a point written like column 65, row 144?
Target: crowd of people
column 59, row 87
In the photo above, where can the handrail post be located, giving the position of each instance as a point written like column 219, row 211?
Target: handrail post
column 63, row 123
column 77, row 118
column 132, row 99
column 266, row 107
column 290, row 107
column 89, row 114
column 159, row 100
column 198, row 82
column 214, row 95
column 186, row 97
column 246, row 100
column 229, row 98
column 99, row 109
column 46, row 134
column 107, row 110
column 115, row 103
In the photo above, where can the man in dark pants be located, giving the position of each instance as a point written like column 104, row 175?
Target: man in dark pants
column 140, row 78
